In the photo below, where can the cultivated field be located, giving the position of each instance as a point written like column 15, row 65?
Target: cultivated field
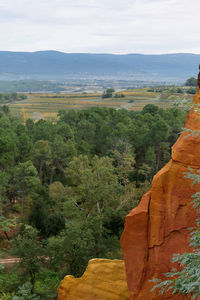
column 38, row 106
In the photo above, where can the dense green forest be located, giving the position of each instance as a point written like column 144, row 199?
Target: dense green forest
column 65, row 188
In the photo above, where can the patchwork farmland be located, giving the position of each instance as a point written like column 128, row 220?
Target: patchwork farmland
column 46, row 106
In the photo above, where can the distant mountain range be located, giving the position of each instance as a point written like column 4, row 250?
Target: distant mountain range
column 54, row 65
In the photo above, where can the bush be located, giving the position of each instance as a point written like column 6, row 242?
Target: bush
column 120, row 96
column 191, row 91
column 108, row 93
column 179, row 91
column 25, row 293
column 9, row 281
column 6, row 296
column 16, row 208
column 55, row 223
column 47, row 283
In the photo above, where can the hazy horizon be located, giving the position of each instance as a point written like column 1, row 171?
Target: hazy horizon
column 136, row 53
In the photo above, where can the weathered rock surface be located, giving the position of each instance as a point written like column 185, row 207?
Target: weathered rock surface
column 103, row 279
column 158, row 227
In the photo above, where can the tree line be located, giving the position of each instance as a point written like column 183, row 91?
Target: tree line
column 11, row 97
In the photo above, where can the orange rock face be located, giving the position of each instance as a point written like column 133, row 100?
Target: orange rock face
column 158, row 227
column 103, row 279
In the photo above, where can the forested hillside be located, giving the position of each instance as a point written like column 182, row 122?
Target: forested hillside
column 67, row 186
column 58, row 65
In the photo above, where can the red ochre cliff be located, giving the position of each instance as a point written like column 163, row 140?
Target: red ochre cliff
column 158, row 227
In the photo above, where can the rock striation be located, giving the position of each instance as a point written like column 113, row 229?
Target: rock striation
column 103, row 279
column 158, row 227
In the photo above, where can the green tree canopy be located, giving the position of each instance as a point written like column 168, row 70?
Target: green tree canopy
column 26, row 181
column 191, row 81
column 30, row 251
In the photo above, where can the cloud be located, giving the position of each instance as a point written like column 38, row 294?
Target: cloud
column 115, row 26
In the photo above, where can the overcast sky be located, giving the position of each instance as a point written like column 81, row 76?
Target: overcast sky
column 101, row 26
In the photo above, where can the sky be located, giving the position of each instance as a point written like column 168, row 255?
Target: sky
column 101, row 26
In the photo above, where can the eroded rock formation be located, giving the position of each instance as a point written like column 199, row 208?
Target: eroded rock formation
column 158, row 227
column 103, row 279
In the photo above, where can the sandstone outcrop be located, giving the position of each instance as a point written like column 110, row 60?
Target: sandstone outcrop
column 158, row 227
column 103, row 279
